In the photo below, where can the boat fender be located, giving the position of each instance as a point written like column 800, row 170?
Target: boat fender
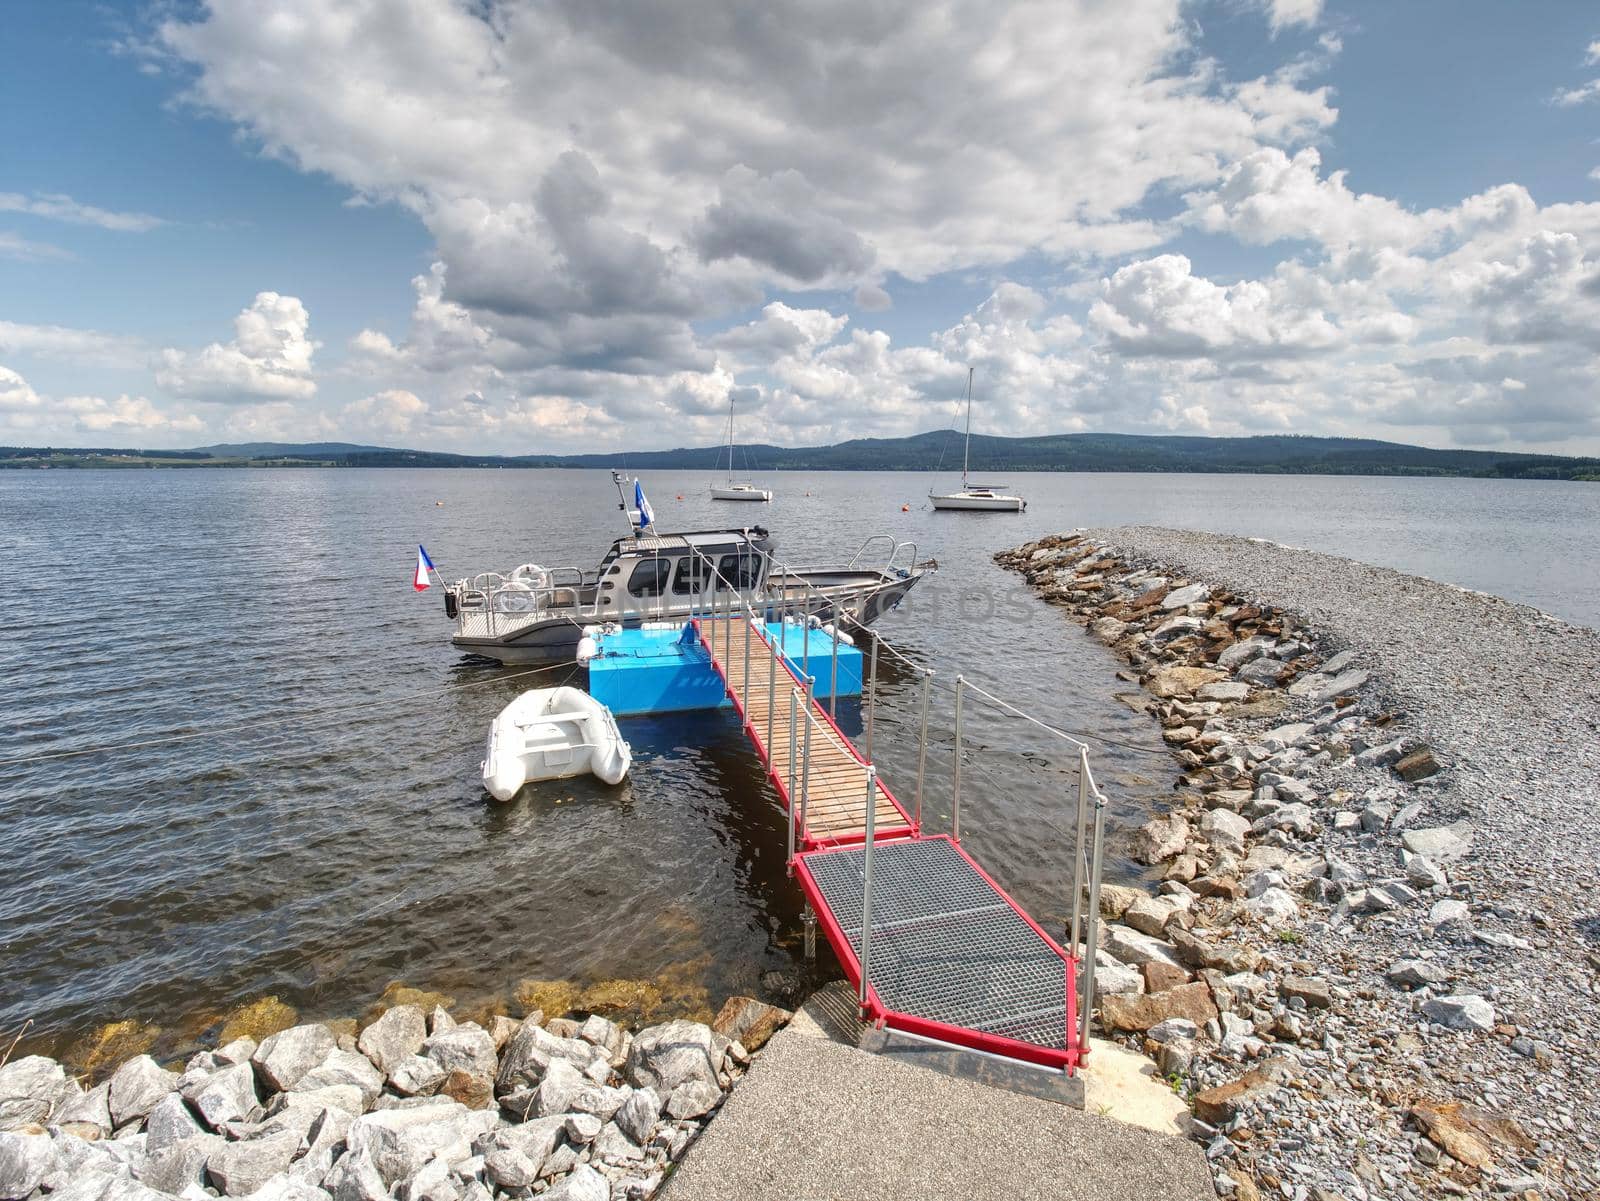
column 450, row 607
column 588, row 648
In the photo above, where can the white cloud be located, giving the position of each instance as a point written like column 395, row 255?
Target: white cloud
column 394, row 411
column 1284, row 13
column 82, row 346
column 15, row 246
column 56, row 207
column 75, row 418
column 19, row 403
column 269, row 357
column 1582, row 94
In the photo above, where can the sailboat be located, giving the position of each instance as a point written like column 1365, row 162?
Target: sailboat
column 976, row 498
column 736, row 489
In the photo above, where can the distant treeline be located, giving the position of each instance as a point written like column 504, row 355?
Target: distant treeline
column 1268, row 454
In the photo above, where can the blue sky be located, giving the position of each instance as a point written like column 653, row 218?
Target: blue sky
column 517, row 227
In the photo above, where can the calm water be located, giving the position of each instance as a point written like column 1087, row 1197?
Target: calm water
column 329, row 834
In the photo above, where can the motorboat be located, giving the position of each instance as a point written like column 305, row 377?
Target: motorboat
column 552, row 734
column 732, row 489
column 971, row 497
column 536, row 614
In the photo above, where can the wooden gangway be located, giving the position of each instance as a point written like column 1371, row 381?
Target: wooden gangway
column 791, row 729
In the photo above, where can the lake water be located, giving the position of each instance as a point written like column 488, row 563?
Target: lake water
column 329, row 834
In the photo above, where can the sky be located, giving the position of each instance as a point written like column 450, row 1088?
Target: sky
column 514, row 226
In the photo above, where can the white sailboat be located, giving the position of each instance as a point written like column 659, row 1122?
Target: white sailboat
column 734, row 489
column 976, row 498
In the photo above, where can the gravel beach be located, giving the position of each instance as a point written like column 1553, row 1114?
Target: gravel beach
column 1420, row 1021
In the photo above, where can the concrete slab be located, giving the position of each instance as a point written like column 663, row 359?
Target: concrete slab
column 817, row 1118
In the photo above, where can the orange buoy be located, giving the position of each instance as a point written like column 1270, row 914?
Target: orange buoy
column 680, row 496
column 905, row 508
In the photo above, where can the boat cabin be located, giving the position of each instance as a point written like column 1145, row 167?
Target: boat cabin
column 649, row 574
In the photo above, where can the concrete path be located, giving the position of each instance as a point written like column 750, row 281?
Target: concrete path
column 815, row 1118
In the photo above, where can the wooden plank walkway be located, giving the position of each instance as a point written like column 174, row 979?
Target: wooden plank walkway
column 836, row 799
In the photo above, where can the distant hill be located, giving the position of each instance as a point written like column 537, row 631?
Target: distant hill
column 941, row 450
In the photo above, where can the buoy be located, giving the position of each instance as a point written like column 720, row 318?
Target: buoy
column 438, row 504
column 680, row 496
column 905, row 508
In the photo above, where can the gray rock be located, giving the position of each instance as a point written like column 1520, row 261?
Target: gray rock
column 1172, row 1028
column 344, row 1068
column 1161, row 838
column 396, row 1036
column 283, row 1058
column 1424, row 873
column 92, row 1106
column 1338, row 663
column 581, row 1128
column 228, row 1095
column 1176, row 627
column 1381, row 756
column 1448, row 911
column 1414, row 973
column 467, row 1047
column 1182, row 598
column 346, row 1097
column 1107, row 629
column 1241, row 653
column 1224, row 829
column 603, row 1033
column 1132, row 947
column 354, row 1177
column 430, row 1182
column 1442, row 844
column 1376, row 817
column 1464, row 1011
column 136, row 1087
column 1274, row 907
column 181, row 1165
column 584, row 1184
column 1149, row 915
column 1223, row 690
column 440, row 1020
column 417, row 1076
column 1340, row 685
column 1262, row 672
column 1112, row 979
column 539, row 1138
column 612, row 1146
column 509, row 1168
column 399, row 1141
column 663, row 1057
column 33, row 1077
column 25, row 1160
column 531, row 1051
column 560, row 1088
column 696, row 1098
column 638, row 1115
column 238, row 1051
column 1498, row 938
column 170, row 1122
column 238, row 1169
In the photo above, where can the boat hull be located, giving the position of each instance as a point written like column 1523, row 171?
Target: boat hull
column 754, row 494
column 552, row 734
column 959, row 502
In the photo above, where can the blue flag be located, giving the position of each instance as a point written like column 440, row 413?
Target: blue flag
column 646, row 517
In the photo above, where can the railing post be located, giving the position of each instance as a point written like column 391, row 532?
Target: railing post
column 772, row 684
column 922, row 743
column 805, row 641
column 955, row 807
column 1092, row 931
column 805, row 761
column 744, row 681
column 793, row 810
column 833, row 685
column 1079, row 857
column 872, row 694
column 866, row 888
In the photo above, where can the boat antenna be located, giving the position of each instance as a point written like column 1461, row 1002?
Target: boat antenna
column 619, row 479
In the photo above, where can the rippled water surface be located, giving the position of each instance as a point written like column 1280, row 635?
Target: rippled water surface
column 329, row 835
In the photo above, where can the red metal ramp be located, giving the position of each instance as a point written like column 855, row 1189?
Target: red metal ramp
column 950, row 956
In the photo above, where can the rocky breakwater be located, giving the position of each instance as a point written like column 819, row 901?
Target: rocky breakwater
column 417, row 1107
column 1320, row 967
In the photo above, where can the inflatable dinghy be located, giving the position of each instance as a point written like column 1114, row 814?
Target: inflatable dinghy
column 552, row 734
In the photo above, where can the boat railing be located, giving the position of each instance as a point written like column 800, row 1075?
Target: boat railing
column 889, row 565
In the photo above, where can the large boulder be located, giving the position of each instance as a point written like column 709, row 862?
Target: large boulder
column 1224, row 1102
column 396, row 1036
column 1442, row 844
column 182, row 1165
column 283, row 1058
column 137, row 1087
column 1131, row 947
column 466, row 1048
column 399, row 1141
column 584, row 1184
column 228, row 1095
column 663, row 1057
column 1161, row 838
column 531, row 1051
column 170, row 1122
column 25, row 1160
column 1224, row 829
column 33, row 1078
column 344, row 1068
column 1170, row 682
column 1462, row 1012
column 1134, row 1011
column 91, row 1107
column 239, row 1169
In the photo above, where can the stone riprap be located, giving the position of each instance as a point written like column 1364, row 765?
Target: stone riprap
column 417, row 1108
column 1379, row 864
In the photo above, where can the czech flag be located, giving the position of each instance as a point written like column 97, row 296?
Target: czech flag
column 424, row 566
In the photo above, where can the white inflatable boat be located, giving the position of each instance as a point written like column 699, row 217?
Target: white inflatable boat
column 552, row 734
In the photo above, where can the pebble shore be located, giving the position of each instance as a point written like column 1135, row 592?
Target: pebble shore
column 1372, row 958
column 416, row 1106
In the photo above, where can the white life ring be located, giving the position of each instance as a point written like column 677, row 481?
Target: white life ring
column 531, row 575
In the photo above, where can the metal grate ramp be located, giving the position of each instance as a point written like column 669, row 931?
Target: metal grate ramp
column 951, row 956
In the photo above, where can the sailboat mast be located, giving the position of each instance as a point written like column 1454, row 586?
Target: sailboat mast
column 966, row 449
column 730, row 440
